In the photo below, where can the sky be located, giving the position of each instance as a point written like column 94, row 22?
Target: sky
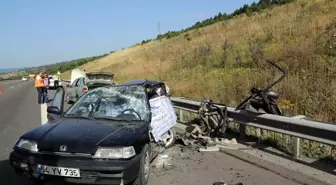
column 39, row 32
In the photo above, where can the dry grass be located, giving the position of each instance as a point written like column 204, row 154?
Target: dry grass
column 8, row 75
column 223, row 61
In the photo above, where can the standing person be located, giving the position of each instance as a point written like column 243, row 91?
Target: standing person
column 56, row 78
column 39, row 85
column 46, row 86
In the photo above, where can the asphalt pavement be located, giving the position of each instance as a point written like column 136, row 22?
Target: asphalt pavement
column 19, row 113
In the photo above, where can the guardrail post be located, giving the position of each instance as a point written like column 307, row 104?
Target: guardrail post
column 181, row 115
column 242, row 131
column 296, row 149
column 296, row 140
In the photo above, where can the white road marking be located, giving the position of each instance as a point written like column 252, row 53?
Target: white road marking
column 44, row 118
column 12, row 87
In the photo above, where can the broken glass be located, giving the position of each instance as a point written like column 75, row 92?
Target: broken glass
column 121, row 102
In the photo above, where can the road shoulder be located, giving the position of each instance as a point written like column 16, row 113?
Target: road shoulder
column 286, row 168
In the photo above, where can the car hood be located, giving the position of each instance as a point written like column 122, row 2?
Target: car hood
column 84, row 136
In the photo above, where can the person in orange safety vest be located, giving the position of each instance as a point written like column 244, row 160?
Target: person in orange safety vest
column 39, row 85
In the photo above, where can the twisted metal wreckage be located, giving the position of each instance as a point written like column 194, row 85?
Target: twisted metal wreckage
column 213, row 123
column 214, row 117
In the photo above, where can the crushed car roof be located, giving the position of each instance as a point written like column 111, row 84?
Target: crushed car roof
column 98, row 73
column 143, row 82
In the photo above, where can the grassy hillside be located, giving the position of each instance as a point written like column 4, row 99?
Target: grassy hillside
column 51, row 68
column 224, row 60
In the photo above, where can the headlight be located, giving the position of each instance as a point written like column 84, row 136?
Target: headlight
column 115, row 153
column 28, row 145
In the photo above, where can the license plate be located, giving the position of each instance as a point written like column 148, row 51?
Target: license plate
column 58, row 171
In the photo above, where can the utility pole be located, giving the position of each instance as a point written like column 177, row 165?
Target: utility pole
column 159, row 31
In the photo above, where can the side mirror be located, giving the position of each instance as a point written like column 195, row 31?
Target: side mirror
column 53, row 110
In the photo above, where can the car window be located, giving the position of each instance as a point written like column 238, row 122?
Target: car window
column 119, row 102
column 57, row 101
column 75, row 82
column 78, row 82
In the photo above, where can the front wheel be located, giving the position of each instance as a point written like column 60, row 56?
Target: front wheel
column 275, row 109
column 144, row 169
column 37, row 182
column 169, row 138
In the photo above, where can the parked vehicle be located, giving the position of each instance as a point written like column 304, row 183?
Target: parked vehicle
column 108, row 136
column 85, row 83
column 52, row 82
column 24, row 79
column 263, row 100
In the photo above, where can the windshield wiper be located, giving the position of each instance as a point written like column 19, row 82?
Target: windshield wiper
column 78, row 116
column 112, row 118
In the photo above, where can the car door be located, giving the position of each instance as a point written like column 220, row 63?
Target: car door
column 72, row 90
column 80, row 85
column 56, row 109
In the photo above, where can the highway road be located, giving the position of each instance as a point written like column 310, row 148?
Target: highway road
column 19, row 113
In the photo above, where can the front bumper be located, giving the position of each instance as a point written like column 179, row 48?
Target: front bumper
column 91, row 171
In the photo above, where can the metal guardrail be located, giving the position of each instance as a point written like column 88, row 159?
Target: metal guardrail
column 296, row 126
column 64, row 82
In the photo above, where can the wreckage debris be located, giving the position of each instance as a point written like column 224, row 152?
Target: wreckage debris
column 213, row 123
column 233, row 141
column 209, row 149
column 164, row 155
column 218, row 144
column 167, row 166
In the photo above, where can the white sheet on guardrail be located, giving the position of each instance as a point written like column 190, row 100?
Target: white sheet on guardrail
column 163, row 116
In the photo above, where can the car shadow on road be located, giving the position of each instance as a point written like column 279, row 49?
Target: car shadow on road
column 8, row 176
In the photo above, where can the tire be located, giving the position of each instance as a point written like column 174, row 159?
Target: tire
column 143, row 175
column 275, row 110
column 18, row 171
column 173, row 138
column 37, row 182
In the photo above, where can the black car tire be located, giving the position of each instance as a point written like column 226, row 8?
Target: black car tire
column 37, row 182
column 18, row 171
column 141, row 179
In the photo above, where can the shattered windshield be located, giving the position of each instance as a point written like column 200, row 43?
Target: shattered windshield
column 112, row 103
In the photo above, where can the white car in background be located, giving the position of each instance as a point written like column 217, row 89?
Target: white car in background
column 24, row 79
column 52, row 84
column 86, row 82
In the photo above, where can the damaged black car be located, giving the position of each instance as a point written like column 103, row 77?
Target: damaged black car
column 109, row 136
